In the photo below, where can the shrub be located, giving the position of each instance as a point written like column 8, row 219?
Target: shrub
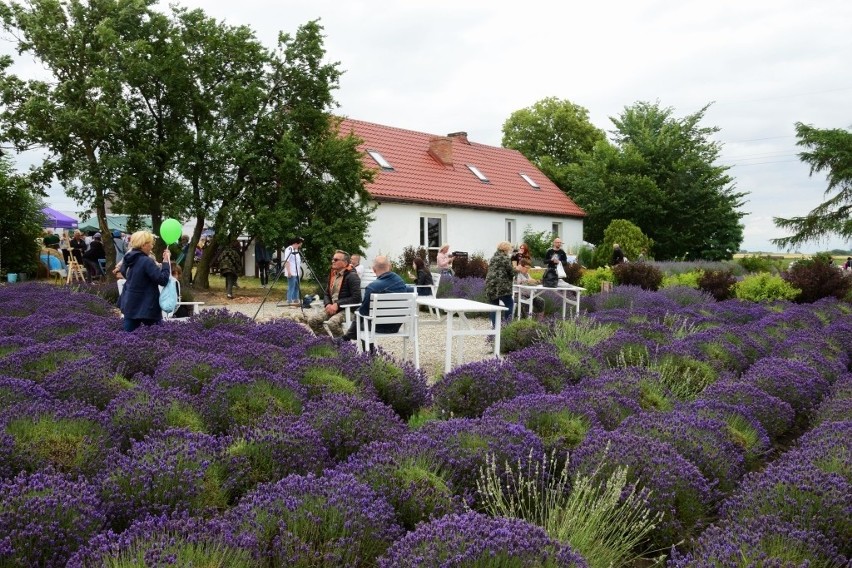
column 397, row 384
column 817, row 279
column 466, row 391
column 642, row 274
column 775, row 415
column 521, row 333
column 631, row 238
column 688, row 279
column 795, row 382
column 542, row 361
column 573, row 272
column 756, row 263
column 476, row 541
column 592, row 279
column 764, row 287
column 474, row 266
column 719, row 283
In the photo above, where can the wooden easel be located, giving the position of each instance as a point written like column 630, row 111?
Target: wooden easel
column 75, row 271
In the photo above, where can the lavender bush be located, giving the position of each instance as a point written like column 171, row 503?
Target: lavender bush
column 774, row 414
column 795, row 382
column 466, row 391
column 190, row 370
column 93, row 380
column 397, row 384
column 45, row 517
column 741, row 428
column 14, row 391
column 610, row 407
column 640, row 384
column 542, row 361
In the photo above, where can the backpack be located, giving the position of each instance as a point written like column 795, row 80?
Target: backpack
column 550, row 279
column 168, row 296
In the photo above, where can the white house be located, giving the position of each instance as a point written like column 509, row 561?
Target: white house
column 431, row 190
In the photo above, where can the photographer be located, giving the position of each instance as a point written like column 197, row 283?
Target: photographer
column 293, row 270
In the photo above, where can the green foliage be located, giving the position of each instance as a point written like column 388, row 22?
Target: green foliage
column 553, row 134
column 763, row 287
column 630, row 237
column 757, row 263
column 660, row 173
column 688, row 279
column 642, row 274
column 538, row 242
column 586, row 255
column 816, row 279
column 474, row 266
column 19, row 233
column 830, row 151
column 521, row 333
column 606, row 520
column 406, row 259
column 573, row 273
column 591, row 279
column 719, row 283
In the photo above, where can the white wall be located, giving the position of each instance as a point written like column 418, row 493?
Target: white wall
column 473, row 231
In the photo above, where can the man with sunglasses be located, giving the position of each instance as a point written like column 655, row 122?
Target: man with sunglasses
column 344, row 287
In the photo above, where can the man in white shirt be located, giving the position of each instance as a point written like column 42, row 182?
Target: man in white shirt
column 293, row 270
column 355, row 261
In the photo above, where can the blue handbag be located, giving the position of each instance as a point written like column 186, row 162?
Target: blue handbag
column 169, row 297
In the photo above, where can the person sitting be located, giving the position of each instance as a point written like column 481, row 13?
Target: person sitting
column 617, row 255
column 93, row 256
column 386, row 282
column 344, row 287
column 523, row 253
column 523, row 278
column 423, row 278
column 78, row 246
column 355, row 261
column 51, row 239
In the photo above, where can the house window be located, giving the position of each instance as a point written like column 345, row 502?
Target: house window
column 383, row 163
column 530, row 181
column 477, row 173
column 510, row 230
column 556, row 230
column 431, row 235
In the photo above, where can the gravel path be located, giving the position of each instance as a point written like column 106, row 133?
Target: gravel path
column 433, row 336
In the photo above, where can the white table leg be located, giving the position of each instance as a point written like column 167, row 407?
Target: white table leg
column 448, row 356
column 497, row 321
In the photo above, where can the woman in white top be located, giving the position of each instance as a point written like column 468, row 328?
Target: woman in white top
column 445, row 260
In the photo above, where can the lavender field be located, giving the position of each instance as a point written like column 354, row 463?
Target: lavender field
column 222, row 442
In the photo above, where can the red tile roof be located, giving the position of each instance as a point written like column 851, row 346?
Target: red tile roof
column 419, row 177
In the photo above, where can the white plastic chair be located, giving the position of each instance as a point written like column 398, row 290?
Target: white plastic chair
column 391, row 308
column 433, row 287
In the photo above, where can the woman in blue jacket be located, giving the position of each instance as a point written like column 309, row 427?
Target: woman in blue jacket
column 140, row 299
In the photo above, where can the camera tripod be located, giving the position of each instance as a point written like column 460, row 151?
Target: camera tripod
column 305, row 264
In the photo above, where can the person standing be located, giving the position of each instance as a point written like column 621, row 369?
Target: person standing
column 118, row 243
column 262, row 257
column 556, row 255
column 293, row 270
column 229, row 266
column 445, row 260
column 386, row 282
column 140, row 296
column 498, row 281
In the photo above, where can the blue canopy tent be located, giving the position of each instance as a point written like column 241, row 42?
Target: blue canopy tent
column 57, row 219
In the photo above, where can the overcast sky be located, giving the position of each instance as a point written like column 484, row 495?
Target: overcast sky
column 466, row 65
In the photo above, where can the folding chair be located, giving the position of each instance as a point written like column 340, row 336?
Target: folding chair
column 392, row 308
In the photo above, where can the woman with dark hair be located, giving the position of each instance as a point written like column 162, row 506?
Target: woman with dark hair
column 522, row 254
column 423, row 279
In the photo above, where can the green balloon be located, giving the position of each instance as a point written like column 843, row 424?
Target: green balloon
column 171, row 231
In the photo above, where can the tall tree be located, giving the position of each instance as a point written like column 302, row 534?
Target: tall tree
column 78, row 113
column 553, row 134
column 661, row 175
column 830, row 151
column 19, row 232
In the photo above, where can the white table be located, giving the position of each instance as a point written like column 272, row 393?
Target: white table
column 460, row 307
column 570, row 296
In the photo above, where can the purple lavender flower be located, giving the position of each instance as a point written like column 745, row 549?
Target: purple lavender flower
column 240, row 398
column 466, row 391
column 794, row 382
column 10, row 344
column 703, row 441
column 625, row 347
column 13, row 391
column 333, row 520
column 347, row 423
column 190, row 370
column 475, row 540
column 163, row 541
column 169, row 471
column 676, row 487
column 826, row 447
column 408, row 473
column 610, row 407
column 637, row 383
column 143, row 356
column 284, row 333
column 741, row 428
column 396, row 383
column 686, row 296
column 542, row 361
column 222, row 320
column 69, row 436
column 561, row 422
column 93, row 380
column 465, row 443
column 817, row 349
column 323, row 376
column 762, row 541
column 271, row 450
column 630, row 298
column 798, row 493
column 39, row 360
column 45, row 517
column 148, row 408
column 775, row 415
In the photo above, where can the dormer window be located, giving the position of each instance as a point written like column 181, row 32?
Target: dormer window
column 384, row 164
column 530, row 181
column 477, row 173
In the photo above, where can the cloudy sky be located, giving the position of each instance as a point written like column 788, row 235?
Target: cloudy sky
column 441, row 67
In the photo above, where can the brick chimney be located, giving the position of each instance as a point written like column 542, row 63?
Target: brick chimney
column 441, row 148
column 460, row 135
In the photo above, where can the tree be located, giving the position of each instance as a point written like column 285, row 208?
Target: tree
column 659, row 173
column 830, row 151
column 628, row 236
column 19, row 233
column 553, row 134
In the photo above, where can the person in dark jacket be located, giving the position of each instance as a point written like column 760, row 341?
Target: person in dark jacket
column 499, row 279
column 386, row 282
column 140, row 298
column 424, row 278
column 344, row 287
column 617, row 255
column 262, row 257
column 230, row 266
column 92, row 257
